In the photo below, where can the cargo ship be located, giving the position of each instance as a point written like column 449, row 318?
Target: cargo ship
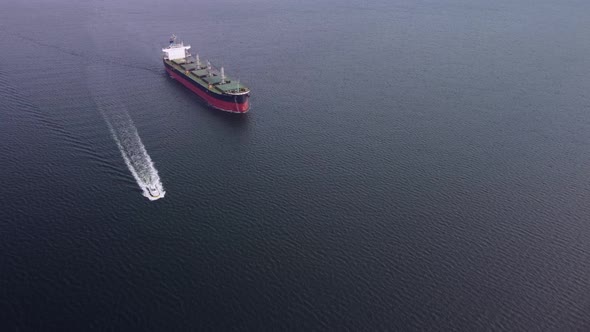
column 209, row 83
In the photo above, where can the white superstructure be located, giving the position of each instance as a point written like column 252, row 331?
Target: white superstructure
column 176, row 50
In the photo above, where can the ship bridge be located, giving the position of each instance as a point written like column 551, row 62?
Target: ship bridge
column 176, row 50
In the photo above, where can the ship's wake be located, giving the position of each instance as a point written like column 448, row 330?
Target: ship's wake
column 134, row 153
column 110, row 91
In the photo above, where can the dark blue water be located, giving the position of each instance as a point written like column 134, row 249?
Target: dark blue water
column 406, row 165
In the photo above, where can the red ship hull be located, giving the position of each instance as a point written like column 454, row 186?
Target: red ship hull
column 211, row 98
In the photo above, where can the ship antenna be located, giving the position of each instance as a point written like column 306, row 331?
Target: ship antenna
column 222, row 76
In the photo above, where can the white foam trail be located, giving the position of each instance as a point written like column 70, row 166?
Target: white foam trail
column 133, row 151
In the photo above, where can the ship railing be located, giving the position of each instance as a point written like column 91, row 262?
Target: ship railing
column 242, row 91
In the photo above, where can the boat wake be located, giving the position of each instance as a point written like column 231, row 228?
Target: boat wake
column 110, row 90
column 134, row 153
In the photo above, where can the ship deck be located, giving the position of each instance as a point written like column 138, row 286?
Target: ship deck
column 200, row 75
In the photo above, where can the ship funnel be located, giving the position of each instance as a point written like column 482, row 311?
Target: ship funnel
column 222, row 76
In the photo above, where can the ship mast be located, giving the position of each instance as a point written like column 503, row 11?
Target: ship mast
column 222, row 76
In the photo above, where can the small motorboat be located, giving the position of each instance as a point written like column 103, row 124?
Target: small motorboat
column 153, row 191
